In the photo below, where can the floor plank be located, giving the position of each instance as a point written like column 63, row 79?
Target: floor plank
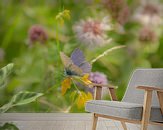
column 57, row 121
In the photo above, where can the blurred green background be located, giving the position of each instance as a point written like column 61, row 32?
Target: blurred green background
column 37, row 63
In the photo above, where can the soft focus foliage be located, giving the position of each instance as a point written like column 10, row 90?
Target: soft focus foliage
column 8, row 126
column 34, row 32
column 19, row 99
column 4, row 73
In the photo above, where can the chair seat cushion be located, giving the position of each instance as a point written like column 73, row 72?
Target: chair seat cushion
column 131, row 111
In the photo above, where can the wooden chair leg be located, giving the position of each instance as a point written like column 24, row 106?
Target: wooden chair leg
column 160, row 98
column 146, row 110
column 124, row 125
column 94, row 124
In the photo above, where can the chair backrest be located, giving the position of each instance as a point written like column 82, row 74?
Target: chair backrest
column 146, row 77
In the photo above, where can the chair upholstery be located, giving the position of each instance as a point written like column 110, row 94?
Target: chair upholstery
column 131, row 111
column 146, row 77
column 132, row 104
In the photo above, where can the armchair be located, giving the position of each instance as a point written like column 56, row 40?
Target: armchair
column 138, row 107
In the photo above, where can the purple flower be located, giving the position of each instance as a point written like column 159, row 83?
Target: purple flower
column 37, row 34
column 98, row 77
column 95, row 77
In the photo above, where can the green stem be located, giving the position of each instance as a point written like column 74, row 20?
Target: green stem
column 75, row 86
column 81, row 81
column 57, row 38
column 106, row 52
column 49, row 89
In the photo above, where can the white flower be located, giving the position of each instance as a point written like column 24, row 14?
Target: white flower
column 92, row 32
column 149, row 14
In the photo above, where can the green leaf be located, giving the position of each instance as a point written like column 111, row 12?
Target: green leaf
column 4, row 73
column 8, row 126
column 20, row 98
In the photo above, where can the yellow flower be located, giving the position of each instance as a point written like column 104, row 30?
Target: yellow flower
column 85, row 79
column 66, row 84
column 83, row 98
column 65, row 14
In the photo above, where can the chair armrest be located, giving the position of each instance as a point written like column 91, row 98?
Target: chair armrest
column 112, row 94
column 98, row 91
column 102, row 85
column 150, row 88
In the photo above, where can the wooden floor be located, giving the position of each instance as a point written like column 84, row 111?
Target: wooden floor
column 58, row 121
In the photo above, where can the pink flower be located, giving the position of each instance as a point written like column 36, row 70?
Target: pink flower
column 151, row 9
column 147, row 35
column 37, row 34
column 149, row 14
column 92, row 32
column 119, row 10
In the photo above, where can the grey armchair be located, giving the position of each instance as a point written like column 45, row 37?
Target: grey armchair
column 142, row 103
